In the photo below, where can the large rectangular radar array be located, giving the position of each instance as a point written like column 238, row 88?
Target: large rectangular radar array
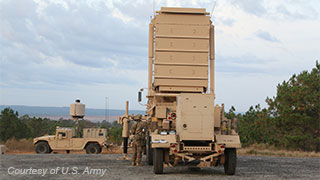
column 180, row 47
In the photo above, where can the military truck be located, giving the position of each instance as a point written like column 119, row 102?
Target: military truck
column 93, row 140
column 68, row 139
column 185, row 125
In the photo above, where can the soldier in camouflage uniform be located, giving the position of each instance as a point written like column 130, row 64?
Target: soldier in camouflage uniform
column 137, row 130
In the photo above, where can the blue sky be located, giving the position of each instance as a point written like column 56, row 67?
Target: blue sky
column 54, row 51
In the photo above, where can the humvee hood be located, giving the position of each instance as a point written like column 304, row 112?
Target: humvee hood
column 49, row 137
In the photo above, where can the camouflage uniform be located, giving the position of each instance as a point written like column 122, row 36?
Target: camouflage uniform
column 139, row 135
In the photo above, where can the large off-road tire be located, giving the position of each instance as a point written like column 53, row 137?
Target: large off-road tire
column 158, row 160
column 100, row 150
column 42, row 148
column 230, row 161
column 93, row 148
column 149, row 152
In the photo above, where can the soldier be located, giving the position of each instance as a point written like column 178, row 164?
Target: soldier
column 139, row 135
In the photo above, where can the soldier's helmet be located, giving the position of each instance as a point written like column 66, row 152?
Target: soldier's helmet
column 137, row 117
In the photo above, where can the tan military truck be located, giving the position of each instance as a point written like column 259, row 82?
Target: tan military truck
column 68, row 139
column 185, row 124
column 92, row 141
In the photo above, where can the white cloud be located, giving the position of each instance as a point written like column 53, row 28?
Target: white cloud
column 255, row 7
column 118, row 14
column 279, row 10
column 266, row 36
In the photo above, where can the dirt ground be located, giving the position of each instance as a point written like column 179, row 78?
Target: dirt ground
column 105, row 166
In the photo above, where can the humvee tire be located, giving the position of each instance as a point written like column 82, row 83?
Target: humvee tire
column 230, row 161
column 42, row 148
column 158, row 161
column 99, row 149
column 149, row 152
column 93, row 148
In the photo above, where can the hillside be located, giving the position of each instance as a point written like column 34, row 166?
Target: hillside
column 39, row 111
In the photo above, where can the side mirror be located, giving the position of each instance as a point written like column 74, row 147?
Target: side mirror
column 139, row 96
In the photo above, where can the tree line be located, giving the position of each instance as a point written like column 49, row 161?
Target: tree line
column 291, row 119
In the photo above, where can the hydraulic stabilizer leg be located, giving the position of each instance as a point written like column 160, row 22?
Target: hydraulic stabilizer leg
column 124, row 120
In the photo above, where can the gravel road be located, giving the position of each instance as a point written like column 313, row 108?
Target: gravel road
column 105, row 166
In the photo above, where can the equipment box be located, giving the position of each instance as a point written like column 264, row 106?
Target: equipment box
column 195, row 117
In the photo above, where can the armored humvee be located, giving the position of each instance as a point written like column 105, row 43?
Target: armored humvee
column 185, row 124
column 92, row 141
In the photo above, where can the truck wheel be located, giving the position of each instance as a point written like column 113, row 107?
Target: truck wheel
column 230, row 161
column 149, row 152
column 99, row 149
column 42, row 148
column 92, row 148
column 158, row 161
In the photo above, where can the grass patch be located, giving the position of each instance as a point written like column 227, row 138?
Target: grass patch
column 266, row 150
column 22, row 145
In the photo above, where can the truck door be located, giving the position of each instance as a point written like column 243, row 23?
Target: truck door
column 63, row 139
